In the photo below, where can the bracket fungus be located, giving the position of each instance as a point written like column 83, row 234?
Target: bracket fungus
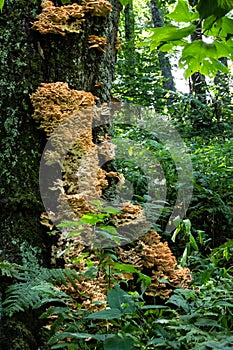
column 59, row 20
column 153, row 257
column 55, row 105
column 96, row 42
column 98, row 8
column 68, row 18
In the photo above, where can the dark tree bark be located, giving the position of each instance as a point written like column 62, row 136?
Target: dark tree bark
column 223, row 95
column 29, row 58
column 197, row 84
column 130, row 37
column 164, row 63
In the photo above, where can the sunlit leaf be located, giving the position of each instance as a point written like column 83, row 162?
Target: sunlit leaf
column 124, row 2
column 111, row 210
column 193, row 242
column 1, row 4
column 199, row 56
column 109, row 229
column 170, row 33
column 182, row 13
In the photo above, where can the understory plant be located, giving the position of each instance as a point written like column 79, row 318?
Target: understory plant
column 200, row 317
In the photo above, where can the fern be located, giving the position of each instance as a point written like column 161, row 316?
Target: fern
column 35, row 285
column 8, row 269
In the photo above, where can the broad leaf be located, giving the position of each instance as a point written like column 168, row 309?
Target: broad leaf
column 124, row 2
column 118, row 343
column 109, row 229
column 199, row 56
column 92, row 219
column 167, row 34
column 218, row 8
column 119, row 299
column 182, row 13
column 72, row 335
column 108, row 314
column 111, row 210
column 222, row 27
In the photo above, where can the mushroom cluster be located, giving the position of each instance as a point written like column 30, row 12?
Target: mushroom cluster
column 68, row 18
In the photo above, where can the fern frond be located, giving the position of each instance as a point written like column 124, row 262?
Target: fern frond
column 36, row 285
column 9, row 269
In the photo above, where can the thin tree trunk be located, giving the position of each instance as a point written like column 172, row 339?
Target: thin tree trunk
column 130, row 37
column 223, row 96
column 29, row 58
column 198, row 84
column 165, row 66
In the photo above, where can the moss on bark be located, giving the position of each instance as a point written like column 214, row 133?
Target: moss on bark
column 29, row 58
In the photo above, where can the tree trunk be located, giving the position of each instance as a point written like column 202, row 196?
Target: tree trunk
column 197, row 84
column 29, row 58
column 130, row 37
column 222, row 99
column 165, row 66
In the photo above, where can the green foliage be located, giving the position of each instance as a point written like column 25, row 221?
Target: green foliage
column 1, row 4
column 184, row 229
column 211, row 207
column 197, row 56
column 100, row 222
column 35, row 285
column 167, row 35
column 190, row 319
column 223, row 255
column 124, row 2
column 218, row 8
column 183, row 13
column 202, row 57
column 138, row 76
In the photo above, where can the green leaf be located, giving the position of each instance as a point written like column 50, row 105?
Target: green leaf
column 207, row 322
column 98, row 204
column 111, row 210
column 1, row 4
column 218, row 8
column 170, row 33
column 108, row 314
column 119, row 299
column 124, row 267
column 107, row 235
column 193, row 242
column 187, row 225
column 223, row 303
column 182, row 13
column 109, row 229
column 199, row 56
column 227, row 27
column 74, row 233
column 65, row 2
column 92, row 219
column 148, row 307
column 69, row 224
column 124, row 2
column 118, row 343
column 71, row 335
column 179, row 301
column 184, row 256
